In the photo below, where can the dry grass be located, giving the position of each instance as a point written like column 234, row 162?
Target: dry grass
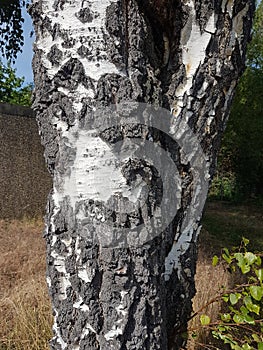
column 25, row 313
column 209, row 282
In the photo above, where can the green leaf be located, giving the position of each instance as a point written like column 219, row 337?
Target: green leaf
column 250, row 258
column 256, row 292
column 234, row 298
column 194, row 335
column 215, row 260
column 248, row 319
column 256, row 338
column 225, row 317
column 227, row 339
column 240, row 259
column 238, row 318
column 251, row 306
column 260, row 346
column 259, row 274
column 245, row 269
column 245, row 241
column 235, row 347
column 226, row 255
column 254, row 308
column 259, row 261
column 244, row 311
column 242, row 263
column 246, row 347
column 225, row 298
column 205, row 320
column 215, row 334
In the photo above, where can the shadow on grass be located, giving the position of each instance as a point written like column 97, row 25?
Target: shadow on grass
column 224, row 225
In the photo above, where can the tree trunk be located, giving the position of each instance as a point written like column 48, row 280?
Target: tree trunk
column 132, row 98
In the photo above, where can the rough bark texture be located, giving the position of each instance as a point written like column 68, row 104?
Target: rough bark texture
column 185, row 56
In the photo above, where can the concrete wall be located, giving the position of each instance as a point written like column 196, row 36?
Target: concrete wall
column 24, row 180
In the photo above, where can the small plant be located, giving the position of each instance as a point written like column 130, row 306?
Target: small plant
column 240, row 324
column 223, row 187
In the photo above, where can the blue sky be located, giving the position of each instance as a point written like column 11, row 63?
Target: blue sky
column 24, row 58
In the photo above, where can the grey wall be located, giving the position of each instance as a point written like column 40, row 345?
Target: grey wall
column 24, row 180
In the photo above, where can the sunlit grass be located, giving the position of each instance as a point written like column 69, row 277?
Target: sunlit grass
column 26, row 318
column 25, row 312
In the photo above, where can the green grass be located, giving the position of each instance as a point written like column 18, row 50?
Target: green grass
column 224, row 225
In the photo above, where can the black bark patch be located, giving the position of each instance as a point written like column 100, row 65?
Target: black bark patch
column 204, row 9
column 117, row 39
column 42, row 101
column 113, row 88
column 68, row 42
column 55, row 55
column 84, row 51
column 57, row 32
column 89, row 342
column 63, row 109
column 48, row 140
column 85, row 15
column 70, row 75
column 239, row 6
column 40, row 23
column 59, row 5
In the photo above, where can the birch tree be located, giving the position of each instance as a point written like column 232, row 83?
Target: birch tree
column 131, row 99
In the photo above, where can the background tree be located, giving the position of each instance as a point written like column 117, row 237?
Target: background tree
column 241, row 155
column 11, row 87
column 185, row 57
column 11, row 32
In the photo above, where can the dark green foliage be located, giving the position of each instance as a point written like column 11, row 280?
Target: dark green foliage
column 11, row 32
column 241, row 155
column 246, row 127
column 11, row 87
column 255, row 51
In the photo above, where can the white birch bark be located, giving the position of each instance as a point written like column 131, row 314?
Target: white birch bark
column 183, row 56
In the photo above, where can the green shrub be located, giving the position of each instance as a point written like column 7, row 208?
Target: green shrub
column 240, row 324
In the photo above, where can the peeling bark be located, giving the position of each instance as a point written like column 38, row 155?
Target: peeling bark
column 184, row 56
